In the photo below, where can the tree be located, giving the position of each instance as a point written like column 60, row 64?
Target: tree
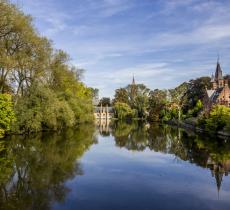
column 178, row 98
column 218, row 119
column 136, row 96
column 195, row 111
column 157, row 103
column 196, row 91
column 123, row 111
column 7, row 115
column 46, row 90
column 104, row 102
column 95, row 95
column 121, row 95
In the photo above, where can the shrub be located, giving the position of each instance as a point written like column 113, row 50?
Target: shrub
column 218, row 119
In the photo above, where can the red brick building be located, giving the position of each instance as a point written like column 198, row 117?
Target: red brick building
column 220, row 92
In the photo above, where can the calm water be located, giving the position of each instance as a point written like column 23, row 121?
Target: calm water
column 122, row 166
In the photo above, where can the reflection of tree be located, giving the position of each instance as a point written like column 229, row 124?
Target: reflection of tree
column 132, row 136
column 207, row 153
column 41, row 165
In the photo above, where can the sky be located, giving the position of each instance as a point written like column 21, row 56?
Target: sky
column 161, row 42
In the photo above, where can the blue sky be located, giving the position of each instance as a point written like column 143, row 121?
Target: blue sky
column 161, row 42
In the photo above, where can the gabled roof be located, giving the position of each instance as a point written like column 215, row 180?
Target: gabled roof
column 210, row 93
column 214, row 94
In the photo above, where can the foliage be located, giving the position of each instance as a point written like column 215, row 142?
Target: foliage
column 136, row 96
column 194, row 112
column 166, row 105
column 121, row 95
column 47, row 91
column 218, row 119
column 41, row 109
column 157, row 104
column 105, row 102
column 123, row 111
column 7, row 115
column 195, row 92
column 178, row 98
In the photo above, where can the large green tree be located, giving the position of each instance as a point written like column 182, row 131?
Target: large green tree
column 135, row 96
column 157, row 104
column 195, row 92
column 47, row 90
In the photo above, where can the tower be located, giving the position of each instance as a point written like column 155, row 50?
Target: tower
column 133, row 88
column 219, row 75
column 213, row 82
column 220, row 92
column 133, row 82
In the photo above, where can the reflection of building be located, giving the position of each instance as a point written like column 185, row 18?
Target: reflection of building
column 220, row 92
column 218, row 170
column 103, row 112
column 103, row 126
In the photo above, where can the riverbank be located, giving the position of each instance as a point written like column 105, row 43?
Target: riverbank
column 192, row 125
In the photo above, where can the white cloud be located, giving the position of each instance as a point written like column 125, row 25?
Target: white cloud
column 177, row 43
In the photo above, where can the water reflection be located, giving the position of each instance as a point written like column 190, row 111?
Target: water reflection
column 104, row 126
column 200, row 150
column 40, row 172
column 33, row 170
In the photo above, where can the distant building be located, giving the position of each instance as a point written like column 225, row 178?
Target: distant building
column 133, row 90
column 103, row 112
column 220, row 91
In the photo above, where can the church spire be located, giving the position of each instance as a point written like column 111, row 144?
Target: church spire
column 133, row 88
column 133, row 82
column 218, row 73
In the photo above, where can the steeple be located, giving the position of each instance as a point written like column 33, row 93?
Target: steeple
column 218, row 73
column 133, row 88
column 133, row 82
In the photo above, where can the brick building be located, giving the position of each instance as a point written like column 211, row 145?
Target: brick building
column 220, row 91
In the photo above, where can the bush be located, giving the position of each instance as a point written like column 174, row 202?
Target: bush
column 218, row 119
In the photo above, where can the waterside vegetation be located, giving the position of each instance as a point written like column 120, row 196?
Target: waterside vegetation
column 39, row 88
column 183, row 105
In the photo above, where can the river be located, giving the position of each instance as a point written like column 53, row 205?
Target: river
column 111, row 167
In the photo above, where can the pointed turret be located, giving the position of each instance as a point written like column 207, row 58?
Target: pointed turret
column 212, row 78
column 133, row 82
column 218, row 73
column 133, row 88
